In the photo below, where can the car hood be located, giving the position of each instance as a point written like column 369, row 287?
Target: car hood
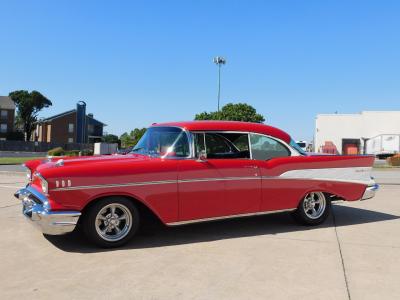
column 89, row 161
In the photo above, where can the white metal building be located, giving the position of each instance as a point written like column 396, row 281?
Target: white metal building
column 348, row 133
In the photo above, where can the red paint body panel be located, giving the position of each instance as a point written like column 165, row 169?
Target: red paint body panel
column 188, row 189
column 205, row 199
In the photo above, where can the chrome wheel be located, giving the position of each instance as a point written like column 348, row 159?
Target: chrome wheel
column 314, row 205
column 113, row 222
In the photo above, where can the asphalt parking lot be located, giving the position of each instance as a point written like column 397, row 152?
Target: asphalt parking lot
column 355, row 254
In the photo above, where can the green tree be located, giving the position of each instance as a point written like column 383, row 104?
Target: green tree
column 233, row 112
column 131, row 139
column 28, row 106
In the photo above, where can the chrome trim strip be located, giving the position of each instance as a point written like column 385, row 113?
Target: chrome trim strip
column 218, row 179
column 99, row 186
column 321, row 179
column 230, row 216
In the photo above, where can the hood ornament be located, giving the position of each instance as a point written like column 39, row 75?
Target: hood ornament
column 59, row 163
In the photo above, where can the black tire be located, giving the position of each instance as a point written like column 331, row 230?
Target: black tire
column 303, row 215
column 122, row 207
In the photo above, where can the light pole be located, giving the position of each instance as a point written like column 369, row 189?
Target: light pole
column 219, row 60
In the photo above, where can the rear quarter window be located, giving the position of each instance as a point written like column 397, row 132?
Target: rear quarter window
column 265, row 148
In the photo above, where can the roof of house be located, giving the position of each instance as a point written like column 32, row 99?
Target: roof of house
column 49, row 119
column 230, row 126
column 6, row 103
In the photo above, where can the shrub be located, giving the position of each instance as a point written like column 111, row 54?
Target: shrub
column 87, row 152
column 394, row 160
column 72, row 153
column 56, row 152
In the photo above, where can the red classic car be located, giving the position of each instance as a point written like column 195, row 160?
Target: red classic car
column 189, row 172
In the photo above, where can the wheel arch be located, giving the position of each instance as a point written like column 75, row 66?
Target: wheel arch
column 144, row 208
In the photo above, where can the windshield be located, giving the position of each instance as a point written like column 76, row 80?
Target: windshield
column 163, row 142
column 294, row 145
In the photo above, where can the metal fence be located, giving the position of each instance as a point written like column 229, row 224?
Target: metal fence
column 23, row 146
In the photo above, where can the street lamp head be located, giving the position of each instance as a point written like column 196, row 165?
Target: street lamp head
column 219, row 60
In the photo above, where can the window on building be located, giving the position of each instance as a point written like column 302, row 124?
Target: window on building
column 4, row 114
column 71, row 127
column 3, row 128
column 70, row 140
column 90, row 128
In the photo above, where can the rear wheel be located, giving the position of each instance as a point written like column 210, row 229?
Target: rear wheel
column 111, row 222
column 313, row 209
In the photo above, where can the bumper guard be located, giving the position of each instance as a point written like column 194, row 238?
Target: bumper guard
column 36, row 208
column 370, row 191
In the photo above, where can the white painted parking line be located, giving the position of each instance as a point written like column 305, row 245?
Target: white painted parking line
column 10, row 186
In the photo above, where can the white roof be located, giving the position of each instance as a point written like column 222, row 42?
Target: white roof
column 362, row 113
column 6, row 103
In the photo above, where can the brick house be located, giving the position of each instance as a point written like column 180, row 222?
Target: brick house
column 7, row 116
column 73, row 126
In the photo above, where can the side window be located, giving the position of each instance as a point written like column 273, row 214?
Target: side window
column 264, row 148
column 216, row 144
column 222, row 145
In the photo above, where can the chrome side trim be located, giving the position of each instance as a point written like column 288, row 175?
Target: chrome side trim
column 219, row 179
column 111, row 185
column 230, row 217
column 100, row 186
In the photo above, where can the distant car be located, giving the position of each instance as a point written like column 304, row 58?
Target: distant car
column 303, row 145
column 188, row 172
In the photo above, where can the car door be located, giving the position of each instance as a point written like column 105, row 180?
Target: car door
column 225, row 183
column 270, row 154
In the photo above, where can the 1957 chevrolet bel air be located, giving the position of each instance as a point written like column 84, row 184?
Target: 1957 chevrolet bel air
column 189, row 172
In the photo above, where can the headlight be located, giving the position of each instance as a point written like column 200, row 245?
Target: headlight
column 43, row 183
column 28, row 173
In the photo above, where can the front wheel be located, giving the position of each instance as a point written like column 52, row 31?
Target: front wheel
column 111, row 222
column 313, row 209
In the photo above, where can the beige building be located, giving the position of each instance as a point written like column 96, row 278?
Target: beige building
column 348, row 133
column 7, row 116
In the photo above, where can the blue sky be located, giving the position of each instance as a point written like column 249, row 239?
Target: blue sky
column 139, row 62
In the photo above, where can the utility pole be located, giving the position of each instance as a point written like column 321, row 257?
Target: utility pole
column 219, row 61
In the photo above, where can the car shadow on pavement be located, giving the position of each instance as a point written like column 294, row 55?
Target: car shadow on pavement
column 158, row 235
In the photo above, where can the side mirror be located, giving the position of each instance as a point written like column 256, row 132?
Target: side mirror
column 202, row 156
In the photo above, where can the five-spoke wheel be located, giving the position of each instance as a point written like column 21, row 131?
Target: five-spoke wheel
column 111, row 222
column 313, row 209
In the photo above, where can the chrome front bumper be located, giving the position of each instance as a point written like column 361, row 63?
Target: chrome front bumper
column 370, row 191
column 36, row 208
